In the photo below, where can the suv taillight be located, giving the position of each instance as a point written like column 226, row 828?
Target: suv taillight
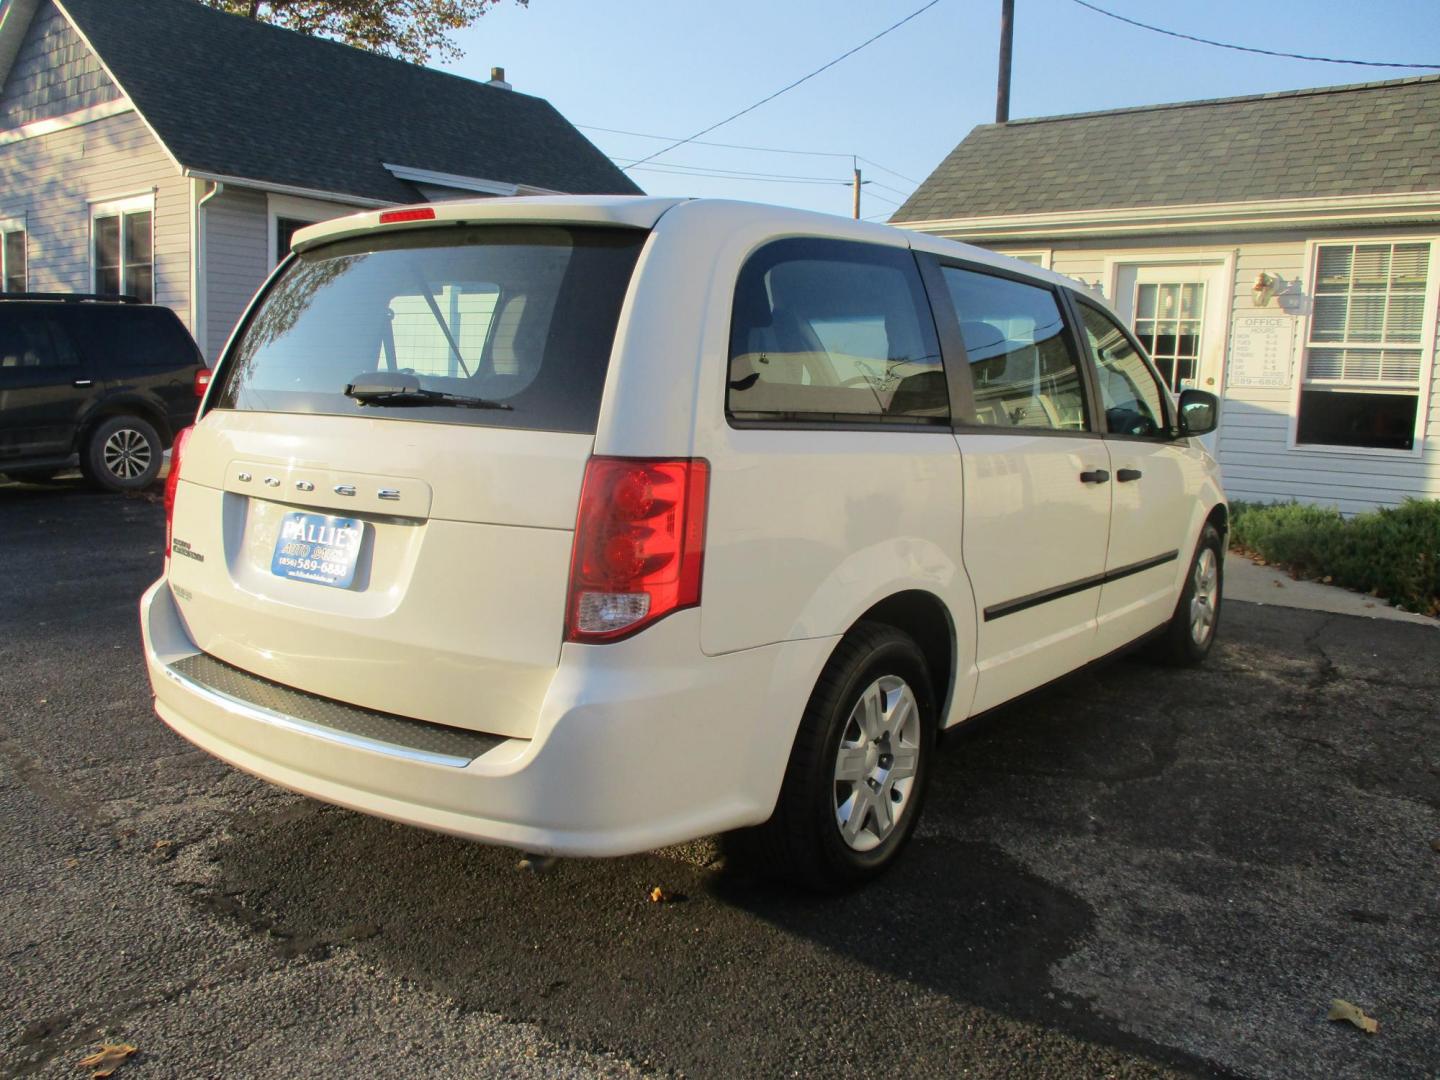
column 639, row 545
column 202, row 381
column 171, row 483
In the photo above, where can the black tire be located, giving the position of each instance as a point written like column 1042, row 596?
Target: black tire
column 803, row 841
column 1182, row 644
column 123, row 453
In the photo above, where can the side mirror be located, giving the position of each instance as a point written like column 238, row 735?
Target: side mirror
column 1199, row 412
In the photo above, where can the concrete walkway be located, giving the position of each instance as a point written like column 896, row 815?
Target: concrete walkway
column 1255, row 584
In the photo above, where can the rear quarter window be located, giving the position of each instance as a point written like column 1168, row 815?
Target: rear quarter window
column 520, row 316
column 118, row 338
column 834, row 331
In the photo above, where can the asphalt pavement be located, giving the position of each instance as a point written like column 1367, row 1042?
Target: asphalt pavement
column 1138, row 872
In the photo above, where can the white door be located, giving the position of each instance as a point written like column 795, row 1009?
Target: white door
column 1177, row 311
column 1155, row 481
column 1037, row 490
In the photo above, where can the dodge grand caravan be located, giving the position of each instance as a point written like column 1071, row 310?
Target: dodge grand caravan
column 589, row 525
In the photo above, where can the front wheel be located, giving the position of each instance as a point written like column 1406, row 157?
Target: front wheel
column 1186, row 641
column 856, row 778
column 122, row 454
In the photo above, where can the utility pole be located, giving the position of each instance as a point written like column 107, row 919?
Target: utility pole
column 1007, row 36
column 857, row 189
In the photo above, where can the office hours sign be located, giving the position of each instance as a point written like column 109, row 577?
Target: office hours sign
column 1260, row 352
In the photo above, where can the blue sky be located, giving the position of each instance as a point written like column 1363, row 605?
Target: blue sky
column 672, row 68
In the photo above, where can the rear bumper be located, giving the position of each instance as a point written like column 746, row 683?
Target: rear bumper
column 638, row 744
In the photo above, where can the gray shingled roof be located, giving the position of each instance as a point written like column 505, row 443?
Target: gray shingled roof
column 1364, row 139
column 233, row 97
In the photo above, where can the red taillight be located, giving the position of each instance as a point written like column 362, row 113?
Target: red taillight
column 639, row 545
column 202, row 381
column 171, row 483
column 416, row 213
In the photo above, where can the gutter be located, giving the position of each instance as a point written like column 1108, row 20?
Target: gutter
column 1351, row 210
column 286, row 189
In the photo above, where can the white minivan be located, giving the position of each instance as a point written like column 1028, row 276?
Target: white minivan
column 590, row 525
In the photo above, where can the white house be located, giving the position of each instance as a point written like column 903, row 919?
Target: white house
column 1282, row 250
column 164, row 149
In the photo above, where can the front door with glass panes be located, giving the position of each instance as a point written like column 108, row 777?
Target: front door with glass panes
column 1177, row 311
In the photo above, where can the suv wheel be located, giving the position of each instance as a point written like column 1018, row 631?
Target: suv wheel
column 1186, row 641
column 123, row 454
column 856, row 778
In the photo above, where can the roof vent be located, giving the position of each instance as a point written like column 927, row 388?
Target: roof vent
column 497, row 79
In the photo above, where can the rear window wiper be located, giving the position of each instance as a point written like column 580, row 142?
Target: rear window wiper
column 398, row 388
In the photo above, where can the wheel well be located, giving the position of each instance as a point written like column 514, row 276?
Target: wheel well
column 123, row 408
column 1220, row 518
column 925, row 618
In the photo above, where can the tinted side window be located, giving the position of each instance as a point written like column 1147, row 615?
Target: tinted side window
column 1022, row 364
column 30, row 340
column 1129, row 393
column 123, row 338
column 834, row 330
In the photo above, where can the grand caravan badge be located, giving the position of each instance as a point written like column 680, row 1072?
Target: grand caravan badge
column 318, row 548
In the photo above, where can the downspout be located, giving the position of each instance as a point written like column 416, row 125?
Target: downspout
column 200, row 273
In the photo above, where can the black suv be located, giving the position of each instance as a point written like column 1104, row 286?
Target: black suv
column 102, row 378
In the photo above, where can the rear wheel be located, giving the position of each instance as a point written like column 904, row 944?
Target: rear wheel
column 856, row 778
column 1187, row 640
column 122, row 454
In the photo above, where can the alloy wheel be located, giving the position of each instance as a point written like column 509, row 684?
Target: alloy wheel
column 876, row 764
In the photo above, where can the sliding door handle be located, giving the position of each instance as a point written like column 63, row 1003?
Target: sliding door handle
column 1095, row 476
column 1126, row 475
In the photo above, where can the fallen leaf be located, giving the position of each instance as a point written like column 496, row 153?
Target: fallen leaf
column 1278, row 584
column 665, row 896
column 1435, row 844
column 1326, row 580
column 107, row 1059
column 1340, row 1009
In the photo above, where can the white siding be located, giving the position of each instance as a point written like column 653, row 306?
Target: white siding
column 1254, row 430
column 51, row 180
column 236, row 243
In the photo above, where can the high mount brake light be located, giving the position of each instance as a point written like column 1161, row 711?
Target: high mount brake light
column 639, row 545
column 172, row 482
column 418, row 213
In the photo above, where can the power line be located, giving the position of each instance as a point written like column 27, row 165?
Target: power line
column 726, row 146
column 892, row 172
column 883, row 199
column 711, row 170
column 1248, row 48
column 730, row 176
column 756, row 149
column 887, row 187
column 792, row 86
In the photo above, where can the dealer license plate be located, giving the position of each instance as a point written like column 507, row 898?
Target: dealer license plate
column 318, row 548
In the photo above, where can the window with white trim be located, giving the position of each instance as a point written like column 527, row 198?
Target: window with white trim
column 1365, row 350
column 123, row 249
column 13, row 257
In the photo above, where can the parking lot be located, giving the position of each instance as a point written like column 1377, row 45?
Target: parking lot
column 1137, row 872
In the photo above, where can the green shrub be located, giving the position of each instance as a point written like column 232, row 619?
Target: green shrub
column 1393, row 552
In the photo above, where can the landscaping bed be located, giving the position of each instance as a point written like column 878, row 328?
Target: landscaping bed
column 1392, row 553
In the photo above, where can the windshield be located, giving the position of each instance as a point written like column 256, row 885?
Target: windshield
column 522, row 316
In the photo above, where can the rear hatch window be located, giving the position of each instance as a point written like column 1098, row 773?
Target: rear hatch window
column 500, row 326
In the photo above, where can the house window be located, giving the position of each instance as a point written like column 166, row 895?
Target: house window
column 285, row 230
column 124, row 250
column 1364, row 355
column 1168, row 319
column 13, row 257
